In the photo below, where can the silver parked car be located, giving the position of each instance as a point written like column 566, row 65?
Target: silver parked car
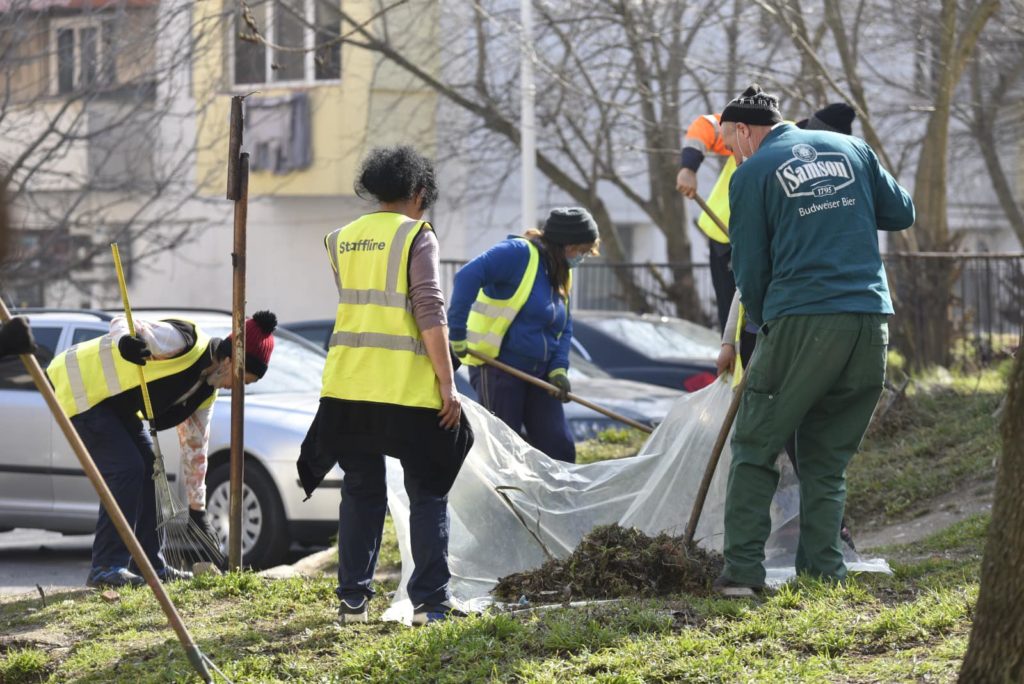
column 42, row 485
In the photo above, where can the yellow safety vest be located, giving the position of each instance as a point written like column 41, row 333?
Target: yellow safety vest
column 738, row 366
column 90, row 372
column 489, row 318
column 376, row 351
column 718, row 202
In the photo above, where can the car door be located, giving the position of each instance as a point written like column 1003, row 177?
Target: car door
column 26, row 461
column 75, row 502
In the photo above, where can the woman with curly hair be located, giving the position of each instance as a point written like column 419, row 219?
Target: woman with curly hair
column 389, row 386
column 512, row 303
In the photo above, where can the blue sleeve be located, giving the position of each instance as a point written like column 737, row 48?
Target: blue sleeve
column 894, row 208
column 748, row 233
column 500, row 266
column 560, row 359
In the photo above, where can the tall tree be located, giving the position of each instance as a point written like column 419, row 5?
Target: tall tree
column 995, row 652
column 82, row 126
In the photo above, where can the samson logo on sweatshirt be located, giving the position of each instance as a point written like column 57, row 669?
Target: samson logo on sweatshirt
column 811, row 173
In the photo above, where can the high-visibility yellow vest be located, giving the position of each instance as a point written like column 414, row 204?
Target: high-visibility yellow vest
column 489, row 318
column 738, row 366
column 718, row 202
column 376, row 351
column 90, row 372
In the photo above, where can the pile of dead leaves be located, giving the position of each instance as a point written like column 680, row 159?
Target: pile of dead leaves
column 614, row 562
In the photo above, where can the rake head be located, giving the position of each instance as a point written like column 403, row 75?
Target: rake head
column 184, row 542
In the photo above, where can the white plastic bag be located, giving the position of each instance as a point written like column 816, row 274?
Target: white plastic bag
column 512, row 507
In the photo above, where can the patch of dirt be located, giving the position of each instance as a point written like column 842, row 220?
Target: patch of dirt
column 613, row 562
column 930, row 517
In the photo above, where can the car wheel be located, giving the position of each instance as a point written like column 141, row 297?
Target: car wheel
column 265, row 539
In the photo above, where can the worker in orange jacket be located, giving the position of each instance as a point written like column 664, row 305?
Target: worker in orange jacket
column 703, row 137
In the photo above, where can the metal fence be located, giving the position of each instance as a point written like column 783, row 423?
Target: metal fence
column 985, row 308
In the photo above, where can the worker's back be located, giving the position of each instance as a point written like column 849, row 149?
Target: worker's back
column 823, row 196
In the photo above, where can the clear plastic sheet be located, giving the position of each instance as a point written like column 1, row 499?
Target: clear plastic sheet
column 512, row 507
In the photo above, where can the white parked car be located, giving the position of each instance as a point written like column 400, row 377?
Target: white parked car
column 43, row 486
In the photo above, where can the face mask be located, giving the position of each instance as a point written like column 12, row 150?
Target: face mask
column 576, row 260
column 743, row 154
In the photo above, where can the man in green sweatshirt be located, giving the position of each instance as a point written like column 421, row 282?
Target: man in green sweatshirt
column 806, row 207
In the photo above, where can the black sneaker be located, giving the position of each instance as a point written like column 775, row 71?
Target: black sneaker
column 117, row 576
column 350, row 613
column 424, row 614
column 169, row 574
column 729, row 589
column 202, row 521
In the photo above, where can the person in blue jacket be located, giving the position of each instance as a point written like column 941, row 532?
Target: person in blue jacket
column 514, row 300
column 806, row 208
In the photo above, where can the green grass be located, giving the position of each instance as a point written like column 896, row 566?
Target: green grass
column 941, row 438
column 609, row 444
column 911, row 626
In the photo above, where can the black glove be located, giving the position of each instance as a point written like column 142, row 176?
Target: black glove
column 560, row 379
column 133, row 350
column 16, row 337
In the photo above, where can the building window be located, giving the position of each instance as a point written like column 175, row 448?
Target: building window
column 84, row 53
column 305, row 36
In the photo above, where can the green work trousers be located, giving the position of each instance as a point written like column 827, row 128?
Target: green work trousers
column 819, row 376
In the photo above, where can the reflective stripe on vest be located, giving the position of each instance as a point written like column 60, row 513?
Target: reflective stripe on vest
column 376, row 352
column 88, row 373
column 489, row 318
column 718, row 202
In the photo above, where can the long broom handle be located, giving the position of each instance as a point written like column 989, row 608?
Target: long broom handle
column 195, row 657
column 131, row 329
column 707, row 210
column 551, row 388
column 716, row 454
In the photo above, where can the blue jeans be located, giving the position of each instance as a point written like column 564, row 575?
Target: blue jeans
column 522, row 405
column 123, row 453
column 364, row 503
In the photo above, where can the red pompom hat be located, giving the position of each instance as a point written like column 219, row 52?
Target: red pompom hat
column 259, row 342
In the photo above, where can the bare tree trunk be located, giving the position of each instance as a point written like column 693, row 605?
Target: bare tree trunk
column 995, row 652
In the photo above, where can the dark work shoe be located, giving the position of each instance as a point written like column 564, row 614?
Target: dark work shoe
column 424, row 614
column 117, row 576
column 202, row 521
column 169, row 574
column 350, row 613
column 729, row 589
column 844, row 534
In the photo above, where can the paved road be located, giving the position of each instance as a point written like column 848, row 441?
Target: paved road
column 52, row 560
column 55, row 561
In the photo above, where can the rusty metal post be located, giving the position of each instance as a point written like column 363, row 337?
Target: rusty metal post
column 195, row 657
column 238, row 190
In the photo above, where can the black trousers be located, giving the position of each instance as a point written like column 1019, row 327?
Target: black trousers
column 722, row 280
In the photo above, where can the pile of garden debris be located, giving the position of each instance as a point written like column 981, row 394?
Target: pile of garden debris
column 613, row 562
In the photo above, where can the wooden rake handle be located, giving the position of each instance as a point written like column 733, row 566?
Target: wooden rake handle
column 714, row 217
column 716, row 454
column 515, row 372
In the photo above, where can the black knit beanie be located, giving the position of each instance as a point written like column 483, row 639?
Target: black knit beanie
column 837, row 117
column 754, row 108
column 570, row 226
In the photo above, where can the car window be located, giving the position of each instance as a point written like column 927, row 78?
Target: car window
column 14, row 375
column 85, row 334
column 656, row 339
column 295, row 366
column 579, row 367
